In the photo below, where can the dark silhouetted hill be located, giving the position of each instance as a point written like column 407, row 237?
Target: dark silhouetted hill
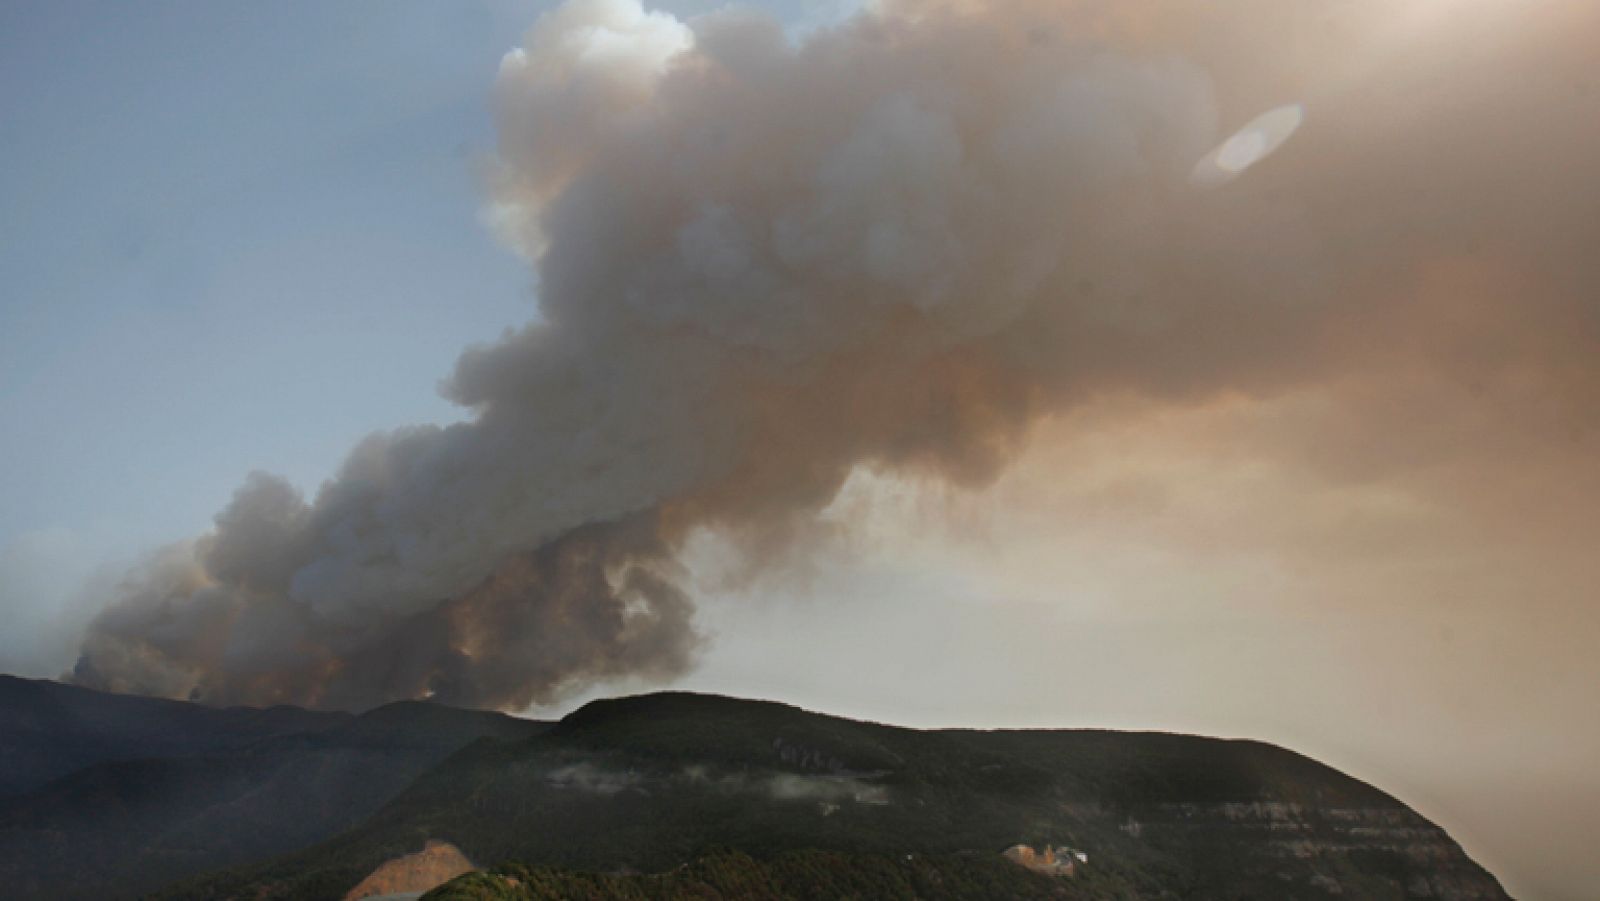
column 647, row 785
column 49, row 729
column 170, row 789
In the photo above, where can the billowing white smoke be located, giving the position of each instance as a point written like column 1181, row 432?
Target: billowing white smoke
column 763, row 264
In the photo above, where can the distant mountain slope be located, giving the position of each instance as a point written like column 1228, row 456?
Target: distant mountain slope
column 48, row 729
column 123, row 826
column 646, row 784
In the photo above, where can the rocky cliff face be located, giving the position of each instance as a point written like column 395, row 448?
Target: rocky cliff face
column 436, row 864
column 1299, row 850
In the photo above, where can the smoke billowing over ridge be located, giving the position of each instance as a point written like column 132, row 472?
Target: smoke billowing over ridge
column 896, row 245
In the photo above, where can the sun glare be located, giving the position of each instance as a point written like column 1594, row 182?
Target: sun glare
column 1249, row 145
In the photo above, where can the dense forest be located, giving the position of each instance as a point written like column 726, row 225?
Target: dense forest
column 646, row 785
column 734, row 876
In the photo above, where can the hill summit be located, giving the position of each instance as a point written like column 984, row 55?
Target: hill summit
column 632, row 797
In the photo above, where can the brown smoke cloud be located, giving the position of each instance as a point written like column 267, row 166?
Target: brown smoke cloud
column 898, row 244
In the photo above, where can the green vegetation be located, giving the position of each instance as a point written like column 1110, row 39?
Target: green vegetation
column 643, row 785
column 800, row 875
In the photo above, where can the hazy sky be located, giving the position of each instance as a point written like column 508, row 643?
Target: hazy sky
column 240, row 238
column 235, row 238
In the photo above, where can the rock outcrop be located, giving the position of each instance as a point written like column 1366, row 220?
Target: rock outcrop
column 433, row 866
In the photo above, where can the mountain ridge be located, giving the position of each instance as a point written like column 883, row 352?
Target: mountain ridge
column 49, row 729
column 650, row 783
column 230, row 786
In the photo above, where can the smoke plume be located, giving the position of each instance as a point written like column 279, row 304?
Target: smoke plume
column 897, row 245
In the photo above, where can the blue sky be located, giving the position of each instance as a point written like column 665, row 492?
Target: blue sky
column 236, row 237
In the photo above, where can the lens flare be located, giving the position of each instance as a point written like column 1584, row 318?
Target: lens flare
column 1248, row 146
